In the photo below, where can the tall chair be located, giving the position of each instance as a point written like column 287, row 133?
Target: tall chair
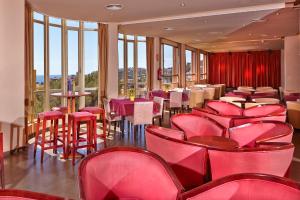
column 209, row 93
column 111, row 117
column 159, row 115
column 127, row 173
column 196, row 98
column 175, row 103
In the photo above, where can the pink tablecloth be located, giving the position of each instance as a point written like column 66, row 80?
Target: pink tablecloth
column 125, row 107
column 166, row 95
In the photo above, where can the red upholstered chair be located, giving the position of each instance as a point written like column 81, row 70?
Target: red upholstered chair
column 270, row 158
column 101, row 112
column 194, row 125
column 224, row 120
column 127, row 173
column 246, row 187
column 189, row 161
column 53, row 117
column 225, row 108
column 261, row 131
column 12, row 194
column 1, row 162
column 77, row 139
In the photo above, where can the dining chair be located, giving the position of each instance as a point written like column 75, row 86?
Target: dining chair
column 110, row 116
column 209, row 93
column 266, row 100
column 159, row 115
column 270, row 158
column 218, row 90
column 175, row 103
column 293, row 110
column 196, row 98
column 142, row 114
column 248, row 186
column 189, row 161
column 127, row 173
column 186, row 102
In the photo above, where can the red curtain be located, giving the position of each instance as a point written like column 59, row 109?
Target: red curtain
column 256, row 68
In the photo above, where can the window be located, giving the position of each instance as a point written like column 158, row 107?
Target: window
column 132, row 65
column 63, row 59
column 188, row 66
column 203, row 66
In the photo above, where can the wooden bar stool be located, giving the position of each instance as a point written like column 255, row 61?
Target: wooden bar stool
column 53, row 117
column 101, row 113
column 75, row 138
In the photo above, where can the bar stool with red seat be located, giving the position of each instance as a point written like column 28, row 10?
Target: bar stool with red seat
column 53, row 117
column 62, row 109
column 101, row 112
column 75, row 139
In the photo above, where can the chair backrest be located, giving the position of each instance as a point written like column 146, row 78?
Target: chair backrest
column 209, row 93
column 189, row 162
column 263, row 88
column 218, row 89
column 263, row 131
column 143, row 113
column 225, row 108
column 245, row 88
column 12, row 194
column 293, row 108
column 196, row 98
column 273, row 159
column 175, row 99
column 265, row 110
column 193, row 125
column 246, row 187
column 127, row 173
column 266, row 100
column 160, row 101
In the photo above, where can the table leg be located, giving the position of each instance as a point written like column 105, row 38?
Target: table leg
column 69, row 105
column 73, row 105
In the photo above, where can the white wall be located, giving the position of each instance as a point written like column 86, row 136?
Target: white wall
column 11, row 63
column 112, row 74
column 292, row 63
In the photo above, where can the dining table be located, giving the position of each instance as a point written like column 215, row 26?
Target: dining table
column 217, row 142
column 71, row 98
column 124, row 107
column 166, row 94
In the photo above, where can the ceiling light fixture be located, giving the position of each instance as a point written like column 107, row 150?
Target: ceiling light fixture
column 114, row 7
column 182, row 4
column 168, row 29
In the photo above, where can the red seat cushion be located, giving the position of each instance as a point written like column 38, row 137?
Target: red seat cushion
column 94, row 110
column 50, row 114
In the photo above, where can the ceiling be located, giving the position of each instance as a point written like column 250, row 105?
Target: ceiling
column 212, row 25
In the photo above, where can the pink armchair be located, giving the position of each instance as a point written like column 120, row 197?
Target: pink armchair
column 246, row 187
column 263, row 131
column 194, row 125
column 127, row 173
column 12, row 194
column 190, row 160
column 270, row 158
column 225, row 108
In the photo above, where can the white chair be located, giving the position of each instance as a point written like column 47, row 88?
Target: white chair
column 245, row 88
column 142, row 114
column 186, row 103
column 293, row 110
column 175, row 103
column 110, row 116
column 196, row 98
column 263, row 88
column 209, row 93
column 266, row 100
column 218, row 91
column 243, row 91
column 159, row 115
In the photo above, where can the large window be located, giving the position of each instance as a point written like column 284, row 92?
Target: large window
column 169, row 63
column 64, row 49
column 132, row 65
column 203, row 66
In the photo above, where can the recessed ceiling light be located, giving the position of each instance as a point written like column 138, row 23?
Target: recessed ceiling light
column 182, row 4
column 169, row 29
column 114, row 7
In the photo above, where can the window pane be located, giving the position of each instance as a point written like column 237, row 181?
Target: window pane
column 168, row 64
column 38, row 16
column 121, row 66
column 73, row 55
column 141, row 38
column 130, row 64
column 130, row 37
column 142, row 69
column 91, row 66
column 73, row 23
column 121, row 36
column 54, row 20
column 188, row 65
column 92, row 25
column 38, row 63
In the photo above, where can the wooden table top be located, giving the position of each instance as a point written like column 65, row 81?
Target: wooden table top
column 70, row 94
column 218, row 142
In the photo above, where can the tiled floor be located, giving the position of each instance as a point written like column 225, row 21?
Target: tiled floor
column 60, row 177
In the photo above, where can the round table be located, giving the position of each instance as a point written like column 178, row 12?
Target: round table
column 214, row 142
column 71, row 96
